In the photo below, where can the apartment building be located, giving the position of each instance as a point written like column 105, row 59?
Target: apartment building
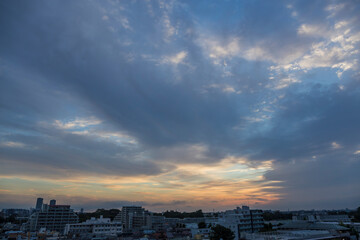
column 133, row 218
column 52, row 217
column 99, row 227
column 242, row 220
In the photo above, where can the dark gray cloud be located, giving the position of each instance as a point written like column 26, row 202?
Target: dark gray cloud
column 146, row 103
column 314, row 144
column 76, row 154
column 310, row 123
column 318, row 183
column 167, row 204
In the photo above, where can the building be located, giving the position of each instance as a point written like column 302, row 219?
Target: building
column 333, row 229
column 39, row 203
column 52, row 217
column 201, row 233
column 242, row 220
column 257, row 220
column 52, row 202
column 16, row 212
column 321, row 217
column 334, row 218
column 193, row 220
column 98, row 227
column 303, row 229
column 117, row 218
column 296, row 235
column 156, row 223
column 310, row 225
column 133, row 218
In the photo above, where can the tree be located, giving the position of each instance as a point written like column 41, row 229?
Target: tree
column 180, row 225
column 353, row 231
column 105, row 213
column 12, row 219
column 267, row 227
column 357, row 215
column 277, row 215
column 221, row 232
column 201, row 225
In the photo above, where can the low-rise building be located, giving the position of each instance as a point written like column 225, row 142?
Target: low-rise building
column 334, row 218
column 99, row 227
column 294, row 235
column 156, row 223
column 201, row 233
column 16, row 212
column 333, row 229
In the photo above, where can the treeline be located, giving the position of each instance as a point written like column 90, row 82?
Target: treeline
column 277, row 215
column 176, row 214
column 111, row 213
column 268, row 215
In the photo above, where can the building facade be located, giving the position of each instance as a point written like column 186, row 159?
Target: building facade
column 156, row 223
column 98, row 227
column 39, row 203
column 52, row 217
column 133, row 218
column 242, row 220
column 17, row 212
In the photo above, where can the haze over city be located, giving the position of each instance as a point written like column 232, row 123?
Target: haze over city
column 180, row 104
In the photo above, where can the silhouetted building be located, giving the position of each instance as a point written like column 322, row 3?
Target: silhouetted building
column 52, row 202
column 39, row 203
column 16, row 212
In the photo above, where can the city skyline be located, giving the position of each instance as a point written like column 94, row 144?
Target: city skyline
column 180, row 104
column 120, row 205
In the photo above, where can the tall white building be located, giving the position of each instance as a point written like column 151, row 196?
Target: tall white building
column 242, row 220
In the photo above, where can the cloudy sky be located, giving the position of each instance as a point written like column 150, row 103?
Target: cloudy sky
column 180, row 104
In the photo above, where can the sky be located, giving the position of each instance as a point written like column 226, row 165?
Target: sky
column 180, row 105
